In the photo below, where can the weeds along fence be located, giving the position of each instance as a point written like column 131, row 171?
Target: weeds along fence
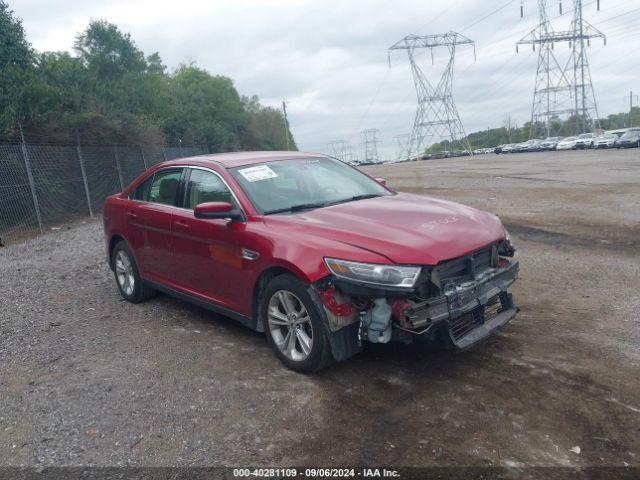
column 42, row 186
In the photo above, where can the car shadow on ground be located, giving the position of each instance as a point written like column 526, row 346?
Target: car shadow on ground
column 423, row 358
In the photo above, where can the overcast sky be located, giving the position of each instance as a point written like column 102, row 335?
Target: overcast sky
column 328, row 58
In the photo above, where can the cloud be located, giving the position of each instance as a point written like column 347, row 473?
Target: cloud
column 328, row 58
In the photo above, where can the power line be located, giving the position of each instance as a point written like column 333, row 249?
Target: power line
column 499, row 9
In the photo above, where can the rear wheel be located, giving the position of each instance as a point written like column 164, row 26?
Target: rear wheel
column 294, row 328
column 127, row 275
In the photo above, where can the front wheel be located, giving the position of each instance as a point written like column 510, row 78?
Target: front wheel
column 294, row 328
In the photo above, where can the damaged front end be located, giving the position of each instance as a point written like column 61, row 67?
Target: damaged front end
column 460, row 301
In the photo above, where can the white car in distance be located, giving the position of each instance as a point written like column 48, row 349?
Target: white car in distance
column 607, row 140
column 568, row 143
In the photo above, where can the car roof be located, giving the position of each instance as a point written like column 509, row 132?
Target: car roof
column 239, row 159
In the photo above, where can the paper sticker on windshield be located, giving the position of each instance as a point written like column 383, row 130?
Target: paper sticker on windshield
column 255, row 174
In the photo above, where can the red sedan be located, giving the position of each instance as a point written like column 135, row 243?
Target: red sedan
column 311, row 251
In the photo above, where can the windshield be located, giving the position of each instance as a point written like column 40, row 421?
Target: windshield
column 290, row 185
column 586, row 135
column 569, row 139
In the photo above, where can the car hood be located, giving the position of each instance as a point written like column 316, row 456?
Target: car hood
column 405, row 228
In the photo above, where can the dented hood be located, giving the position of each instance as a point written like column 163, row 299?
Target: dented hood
column 405, row 228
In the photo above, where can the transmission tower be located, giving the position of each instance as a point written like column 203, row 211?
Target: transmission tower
column 436, row 116
column 562, row 91
column 402, row 143
column 337, row 147
column 349, row 155
column 371, row 142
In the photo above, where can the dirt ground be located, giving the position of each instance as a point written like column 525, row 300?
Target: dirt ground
column 88, row 379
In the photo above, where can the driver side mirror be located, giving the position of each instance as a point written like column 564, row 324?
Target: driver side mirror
column 212, row 210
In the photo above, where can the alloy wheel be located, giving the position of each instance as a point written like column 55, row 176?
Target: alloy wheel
column 124, row 273
column 290, row 325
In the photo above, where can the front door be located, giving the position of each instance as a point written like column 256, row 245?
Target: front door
column 208, row 252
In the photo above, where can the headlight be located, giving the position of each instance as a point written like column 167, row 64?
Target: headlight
column 384, row 275
column 506, row 248
column 507, row 237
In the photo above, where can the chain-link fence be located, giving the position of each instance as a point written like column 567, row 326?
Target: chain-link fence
column 41, row 186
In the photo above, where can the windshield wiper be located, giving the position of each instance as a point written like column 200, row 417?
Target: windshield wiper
column 365, row 196
column 297, row 208
column 357, row 197
column 311, row 206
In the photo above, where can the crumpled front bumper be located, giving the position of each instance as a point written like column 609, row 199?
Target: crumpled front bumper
column 469, row 311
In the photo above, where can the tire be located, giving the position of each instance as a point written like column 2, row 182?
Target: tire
column 283, row 305
column 128, row 280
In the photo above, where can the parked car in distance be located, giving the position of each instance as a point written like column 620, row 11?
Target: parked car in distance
column 630, row 139
column 312, row 252
column 549, row 143
column 533, row 145
column 520, row 147
column 618, row 133
column 606, row 140
column 568, row 143
column 483, row 151
column 439, row 155
column 508, row 148
column 584, row 141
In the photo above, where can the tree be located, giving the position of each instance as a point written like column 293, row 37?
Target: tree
column 107, row 51
column 109, row 92
column 15, row 67
column 206, row 109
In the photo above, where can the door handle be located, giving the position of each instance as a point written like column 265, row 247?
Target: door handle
column 131, row 214
column 181, row 225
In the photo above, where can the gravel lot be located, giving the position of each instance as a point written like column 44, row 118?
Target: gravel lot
column 88, row 379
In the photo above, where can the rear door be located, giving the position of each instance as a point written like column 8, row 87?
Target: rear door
column 134, row 208
column 156, row 212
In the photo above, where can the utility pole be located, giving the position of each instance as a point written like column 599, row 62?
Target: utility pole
column 436, row 116
column 563, row 90
column 631, row 107
column 286, row 122
column 371, row 145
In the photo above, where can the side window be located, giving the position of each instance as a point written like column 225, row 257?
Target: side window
column 142, row 192
column 206, row 187
column 164, row 187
